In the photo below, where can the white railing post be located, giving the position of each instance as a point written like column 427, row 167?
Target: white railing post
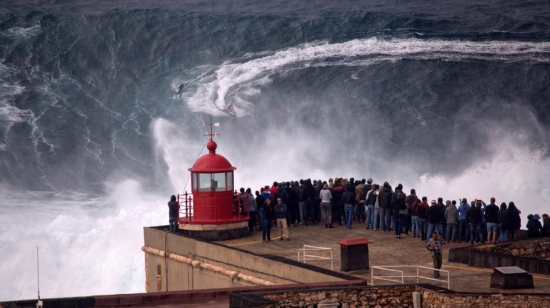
column 304, row 256
column 392, row 268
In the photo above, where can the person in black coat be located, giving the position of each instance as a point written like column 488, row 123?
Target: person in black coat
column 434, row 218
column 533, row 226
column 269, row 216
column 512, row 216
column 310, row 194
column 399, row 214
column 475, row 217
column 336, row 202
column 173, row 208
column 260, row 210
column 348, row 199
column 545, row 225
column 292, row 204
column 503, row 224
column 384, row 199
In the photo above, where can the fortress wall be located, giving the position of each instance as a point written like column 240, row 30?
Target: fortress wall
column 219, row 266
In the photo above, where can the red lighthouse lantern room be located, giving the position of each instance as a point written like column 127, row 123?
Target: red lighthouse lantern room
column 214, row 211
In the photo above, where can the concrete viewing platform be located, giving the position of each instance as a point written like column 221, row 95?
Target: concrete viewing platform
column 385, row 250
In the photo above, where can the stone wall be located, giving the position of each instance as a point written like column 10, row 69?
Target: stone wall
column 535, row 248
column 432, row 298
column 388, row 296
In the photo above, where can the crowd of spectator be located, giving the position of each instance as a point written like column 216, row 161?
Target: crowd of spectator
column 383, row 208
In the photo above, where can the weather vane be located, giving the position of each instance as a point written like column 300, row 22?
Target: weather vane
column 212, row 134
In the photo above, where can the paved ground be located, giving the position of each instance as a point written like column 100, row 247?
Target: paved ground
column 384, row 250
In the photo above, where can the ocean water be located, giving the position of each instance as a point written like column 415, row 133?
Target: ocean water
column 452, row 99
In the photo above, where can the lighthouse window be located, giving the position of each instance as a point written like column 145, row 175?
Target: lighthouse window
column 218, row 181
column 194, row 176
column 205, row 181
column 230, row 181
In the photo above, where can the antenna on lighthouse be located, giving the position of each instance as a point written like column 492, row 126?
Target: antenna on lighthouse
column 39, row 304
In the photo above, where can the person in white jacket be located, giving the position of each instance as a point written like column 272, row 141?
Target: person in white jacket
column 326, row 211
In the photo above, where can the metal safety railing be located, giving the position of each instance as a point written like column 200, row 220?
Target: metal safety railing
column 240, row 210
column 303, row 255
column 399, row 276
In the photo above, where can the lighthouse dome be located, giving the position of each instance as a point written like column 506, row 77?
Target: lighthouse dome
column 212, row 162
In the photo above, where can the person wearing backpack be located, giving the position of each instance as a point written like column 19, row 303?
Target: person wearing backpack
column 372, row 214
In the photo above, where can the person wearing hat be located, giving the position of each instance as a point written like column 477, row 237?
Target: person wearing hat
column 533, row 226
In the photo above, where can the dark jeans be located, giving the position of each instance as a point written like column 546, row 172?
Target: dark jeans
column 261, row 218
column 173, row 224
column 407, row 222
column 252, row 221
column 360, row 210
column 317, row 212
column 451, row 232
column 336, row 214
column 348, row 210
column 398, row 224
column 443, row 232
column 291, row 214
column 309, row 212
column 423, row 224
column 432, row 228
column 463, row 230
column 385, row 219
column 476, row 233
column 266, row 234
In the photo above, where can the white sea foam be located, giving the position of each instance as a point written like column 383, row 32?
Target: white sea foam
column 12, row 114
column 214, row 90
column 86, row 247
column 21, row 32
column 514, row 174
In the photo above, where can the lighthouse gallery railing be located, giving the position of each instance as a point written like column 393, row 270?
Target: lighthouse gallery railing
column 240, row 210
